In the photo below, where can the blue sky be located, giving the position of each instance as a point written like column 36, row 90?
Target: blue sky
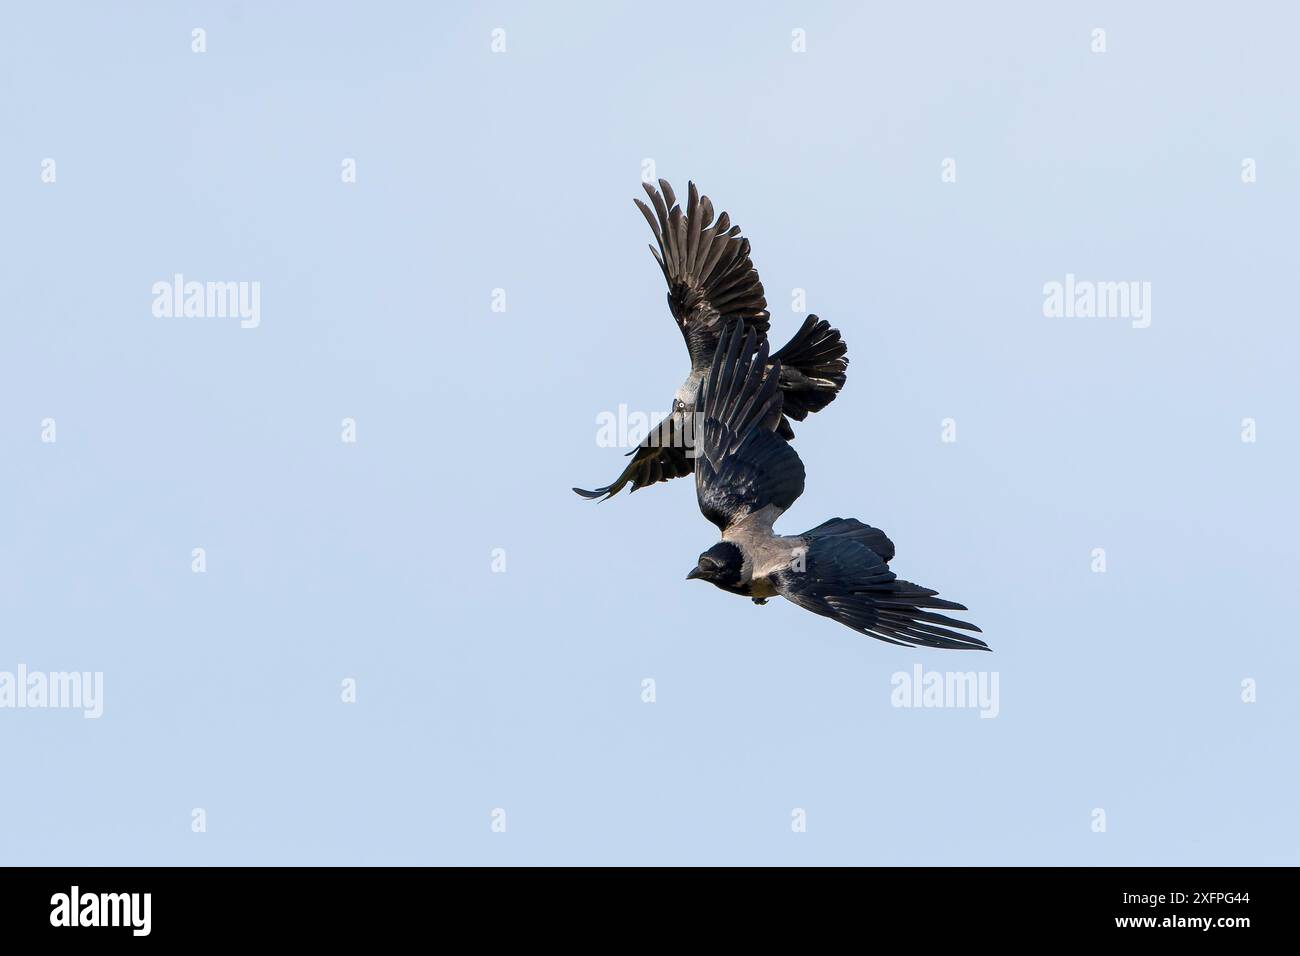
column 522, row 691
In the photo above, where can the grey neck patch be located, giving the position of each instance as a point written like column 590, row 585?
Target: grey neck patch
column 686, row 393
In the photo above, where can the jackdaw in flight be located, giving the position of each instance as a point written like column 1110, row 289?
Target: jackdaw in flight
column 746, row 475
column 711, row 284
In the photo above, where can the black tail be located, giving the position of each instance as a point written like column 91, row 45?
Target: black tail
column 812, row 368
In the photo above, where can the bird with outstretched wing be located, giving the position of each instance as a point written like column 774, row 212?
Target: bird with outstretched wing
column 712, row 284
column 747, row 475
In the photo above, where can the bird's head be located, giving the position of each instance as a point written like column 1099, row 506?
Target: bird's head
column 722, row 565
column 684, row 397
column 688, row 424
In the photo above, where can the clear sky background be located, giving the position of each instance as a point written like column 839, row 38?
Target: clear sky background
column 522, row 690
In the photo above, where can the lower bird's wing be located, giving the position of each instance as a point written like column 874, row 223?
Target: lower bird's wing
column 662, row 455
column 743, row 466
column 843, row 579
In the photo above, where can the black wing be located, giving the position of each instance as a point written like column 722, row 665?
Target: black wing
column 845, row 580
column 711, row 281
column 743, row 465
column 660, row 456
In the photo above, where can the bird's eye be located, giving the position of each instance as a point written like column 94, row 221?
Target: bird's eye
column 680, row 405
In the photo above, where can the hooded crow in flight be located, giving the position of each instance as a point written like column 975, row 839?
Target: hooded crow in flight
column 746, row 475
column 711, row 284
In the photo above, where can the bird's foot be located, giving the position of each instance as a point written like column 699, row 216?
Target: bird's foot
column 759, row 600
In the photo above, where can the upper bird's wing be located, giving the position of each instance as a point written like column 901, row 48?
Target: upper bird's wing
column 743, row 467
column 846, row 580
column 660, row 456
column 711, row 281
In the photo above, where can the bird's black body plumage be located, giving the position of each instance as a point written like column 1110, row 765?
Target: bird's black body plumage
column 713, row 285
column 747, row 475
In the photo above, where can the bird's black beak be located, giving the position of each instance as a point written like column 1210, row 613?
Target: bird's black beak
column 696, row 572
